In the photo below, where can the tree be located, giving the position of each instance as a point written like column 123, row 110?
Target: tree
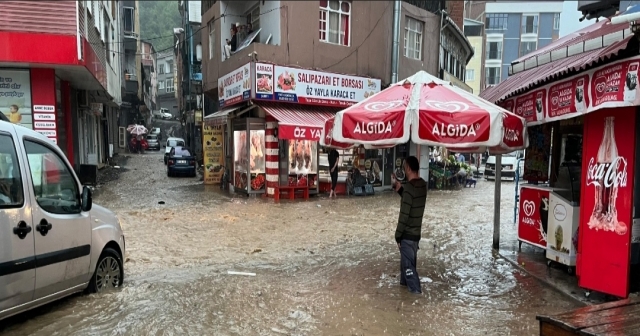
column 157, row 19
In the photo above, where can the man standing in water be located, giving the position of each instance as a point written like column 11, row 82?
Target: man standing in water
column 414, row 196
column 333, row 171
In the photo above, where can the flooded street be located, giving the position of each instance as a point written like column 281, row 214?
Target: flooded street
column 323, row 267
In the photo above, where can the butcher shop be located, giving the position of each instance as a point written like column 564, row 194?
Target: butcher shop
column 578, row 203
column 274, row 117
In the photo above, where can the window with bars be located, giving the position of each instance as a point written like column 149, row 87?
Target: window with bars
column 529, row 24
column 335, row 22
column 496, row 21
column 413, row 38
column 527, row 47
column 492, row 75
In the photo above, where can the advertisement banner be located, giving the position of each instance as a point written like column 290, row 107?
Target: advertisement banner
column 531, row 105
column 533, row 216
column 611, row 85
column 288, row 132
column 235, row 87
column 15, row 96
column 312, row 87
column 454, row 128
column 213, row 153
column 607, row 201
column 43, row 98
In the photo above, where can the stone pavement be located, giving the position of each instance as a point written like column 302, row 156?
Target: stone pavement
column 532, row 260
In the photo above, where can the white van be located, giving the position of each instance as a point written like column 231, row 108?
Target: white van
column 509, row 166
column 53, row 241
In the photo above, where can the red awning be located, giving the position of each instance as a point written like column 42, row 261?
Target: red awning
column 298, row 122
column 522, row 81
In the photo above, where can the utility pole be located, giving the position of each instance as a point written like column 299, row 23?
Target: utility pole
column 496, row 203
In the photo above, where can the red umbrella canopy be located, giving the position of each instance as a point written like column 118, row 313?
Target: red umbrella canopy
column 326, row 139
column 432, row 112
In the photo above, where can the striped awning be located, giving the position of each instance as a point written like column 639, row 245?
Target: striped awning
column 299, row 122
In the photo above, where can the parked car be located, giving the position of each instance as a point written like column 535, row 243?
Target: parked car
column 171, row 142
column 510, row 166
column 156, row 131
column 54, row 241
column 153, row 142
column 181, row 162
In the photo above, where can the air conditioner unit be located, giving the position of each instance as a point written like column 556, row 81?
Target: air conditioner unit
column 83, row 98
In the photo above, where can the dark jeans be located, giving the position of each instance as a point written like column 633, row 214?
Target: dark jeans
column 334, row 179
column 408, row 259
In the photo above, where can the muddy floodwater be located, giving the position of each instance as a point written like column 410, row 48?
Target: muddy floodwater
column 322, row 267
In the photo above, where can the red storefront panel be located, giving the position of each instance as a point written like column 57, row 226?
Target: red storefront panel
column 606, row 200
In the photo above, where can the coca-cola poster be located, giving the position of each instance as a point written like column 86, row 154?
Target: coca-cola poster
column 531, row 106
column 569, row 97
column 606, row 200
column 533, row 216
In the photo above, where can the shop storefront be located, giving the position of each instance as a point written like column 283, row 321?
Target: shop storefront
column 580, row 167
column 274, row 117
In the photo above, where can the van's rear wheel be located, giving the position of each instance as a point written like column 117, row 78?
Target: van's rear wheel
column 109, row 272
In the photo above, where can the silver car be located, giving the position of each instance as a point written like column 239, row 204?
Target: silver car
column 53, row 241
column 153, row 141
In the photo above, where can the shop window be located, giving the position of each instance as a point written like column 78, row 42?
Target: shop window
column 496, row 21
column 529, row 24
column 249, row 162
column 302, row 161
column 335, row 22
column 494, row 51
column 413, row 38
column 556, row 21
column 11, row 195
column 346, row 161
column 54, row 185
column 492, row 75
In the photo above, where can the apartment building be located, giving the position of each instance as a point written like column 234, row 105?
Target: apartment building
column 513, row 29
column 166, row 85
column 474, row 31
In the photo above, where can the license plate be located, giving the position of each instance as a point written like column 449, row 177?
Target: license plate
column 182, row 161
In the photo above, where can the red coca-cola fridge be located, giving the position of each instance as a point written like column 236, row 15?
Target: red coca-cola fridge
column 606, row 211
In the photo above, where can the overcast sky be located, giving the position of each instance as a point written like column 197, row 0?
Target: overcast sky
column 569, row 18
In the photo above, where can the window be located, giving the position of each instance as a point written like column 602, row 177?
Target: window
column 212, row 38
column 161, row 68
column 128, row 20
column 492, row 75
column 179, row 152
column 161, row 84
column 527, row 47
column 529, row 24
column 556, row 21
column 175, row 143
column 494, row 50
column 169, row 85
column 11, row 195
column 496, row 21
column 470, row 75
column 170, row 67
column 107, row 36
column 345, row 161
column 413, row 38
column 54, row 185
column 253, row 17
column 335, row 21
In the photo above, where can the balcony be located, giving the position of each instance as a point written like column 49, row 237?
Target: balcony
column 262, row 16
column 131, row 83
column 494, row 54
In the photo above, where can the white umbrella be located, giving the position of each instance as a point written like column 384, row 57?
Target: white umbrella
column 137, row 129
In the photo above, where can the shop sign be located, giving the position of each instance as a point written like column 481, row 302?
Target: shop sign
column 611, row 85
column 531, row 105
column 533, row 216
column 235, row 86
column 15, row 96
column 607, row 200
column 213, row 153
column 44, row 102
column 286, row 84
column 299, row 132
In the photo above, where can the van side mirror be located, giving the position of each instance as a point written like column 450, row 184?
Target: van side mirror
column 87, row 201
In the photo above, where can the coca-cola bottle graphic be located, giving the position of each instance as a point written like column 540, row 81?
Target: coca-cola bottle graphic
column 607, row 174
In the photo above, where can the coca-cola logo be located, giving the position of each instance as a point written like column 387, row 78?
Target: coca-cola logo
column 383, row 106
column 607, row 174
column 379, row 127
column 453, row 106
column 560, row 212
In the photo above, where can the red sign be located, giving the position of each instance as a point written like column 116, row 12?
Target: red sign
column 615, row 83
column 568, row 97
column 531, row 105
column 454, row 128
column 288, row 132
column 513, row 128
column 373, row 126
column 43, row 98
column 607, row 198
column 533, row 216
column 507, row 105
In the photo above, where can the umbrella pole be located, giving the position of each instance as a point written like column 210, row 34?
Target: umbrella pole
column 496, row 203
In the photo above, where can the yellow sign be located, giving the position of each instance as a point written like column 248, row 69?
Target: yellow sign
column 213, row 153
